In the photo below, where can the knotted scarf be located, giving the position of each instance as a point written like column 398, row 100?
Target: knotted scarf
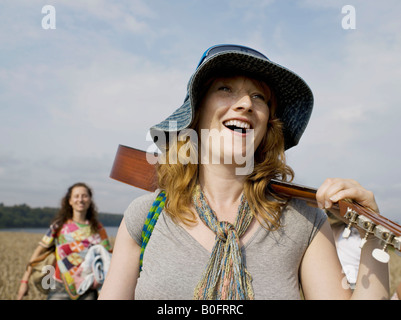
column 225, row 276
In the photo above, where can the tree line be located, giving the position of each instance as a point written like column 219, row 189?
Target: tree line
column 23, row 216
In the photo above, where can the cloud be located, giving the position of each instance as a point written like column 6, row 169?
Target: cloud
column 109, row 71
column 354, row 75
column 125, row 16
column 43, row 182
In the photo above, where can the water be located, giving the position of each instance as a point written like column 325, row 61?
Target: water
column 111, row 231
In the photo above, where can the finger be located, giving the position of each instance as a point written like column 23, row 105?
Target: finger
column 358, row 194
column 321, row 192
column 330, row 191
column 328, row 188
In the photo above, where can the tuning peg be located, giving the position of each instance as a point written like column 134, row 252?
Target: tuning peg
column 366, row 224
column 381, row 255
column 347, row 231
column 387, row 236
column 364, row 240
column 352, row 216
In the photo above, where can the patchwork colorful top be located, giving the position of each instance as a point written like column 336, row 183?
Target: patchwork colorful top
column 72, row 243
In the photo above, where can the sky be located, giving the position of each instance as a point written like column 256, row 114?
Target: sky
column 108, row 70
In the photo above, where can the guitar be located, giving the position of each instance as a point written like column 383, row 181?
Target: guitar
column 137, row 168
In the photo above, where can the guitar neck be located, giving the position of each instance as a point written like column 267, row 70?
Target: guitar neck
column 134, row 167
column 309, row 194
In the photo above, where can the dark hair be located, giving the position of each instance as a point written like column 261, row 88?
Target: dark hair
column 65, row 213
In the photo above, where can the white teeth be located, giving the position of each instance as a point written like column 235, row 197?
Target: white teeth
column 238, row 123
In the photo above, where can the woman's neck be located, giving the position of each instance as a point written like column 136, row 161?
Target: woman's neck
column 222, row 188
column 79, row 217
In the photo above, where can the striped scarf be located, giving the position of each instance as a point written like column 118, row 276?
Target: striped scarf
column 225, row 276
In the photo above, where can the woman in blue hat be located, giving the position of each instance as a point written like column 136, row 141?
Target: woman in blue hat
column 221, row 233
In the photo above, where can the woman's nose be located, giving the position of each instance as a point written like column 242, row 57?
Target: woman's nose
column 243, row 104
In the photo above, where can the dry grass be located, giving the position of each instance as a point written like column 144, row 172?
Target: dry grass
column 14, row 256
column 18, row 248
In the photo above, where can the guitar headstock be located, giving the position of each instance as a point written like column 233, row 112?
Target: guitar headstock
column 372, row 224
column 355, row 215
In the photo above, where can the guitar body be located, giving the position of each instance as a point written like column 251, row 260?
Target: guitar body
column 132, row 167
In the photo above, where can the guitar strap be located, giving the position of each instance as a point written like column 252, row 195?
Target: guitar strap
column 150, row 222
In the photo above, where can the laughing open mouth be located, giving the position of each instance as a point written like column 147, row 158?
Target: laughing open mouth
column 237, row 125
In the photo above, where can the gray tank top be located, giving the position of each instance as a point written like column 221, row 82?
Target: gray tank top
column 174, row 261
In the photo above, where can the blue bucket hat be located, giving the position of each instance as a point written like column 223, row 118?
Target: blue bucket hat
column 294, row 97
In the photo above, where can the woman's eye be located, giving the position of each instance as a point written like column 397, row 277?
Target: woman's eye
column 224, row 88
column 259, row 96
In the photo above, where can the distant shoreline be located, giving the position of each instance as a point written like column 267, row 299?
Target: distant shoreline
column 111, row 230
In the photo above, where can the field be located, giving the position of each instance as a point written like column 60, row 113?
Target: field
column 17, row 248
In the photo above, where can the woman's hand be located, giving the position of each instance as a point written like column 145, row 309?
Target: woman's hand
column 373, row 276
column 335, row 189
